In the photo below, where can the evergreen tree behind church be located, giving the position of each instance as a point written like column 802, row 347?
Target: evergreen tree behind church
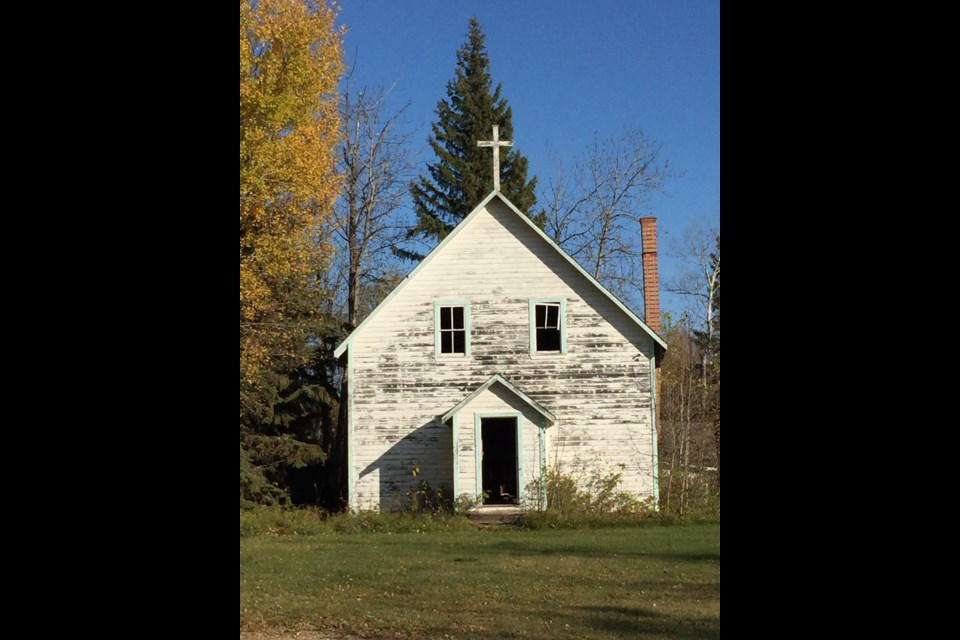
column 463, row 173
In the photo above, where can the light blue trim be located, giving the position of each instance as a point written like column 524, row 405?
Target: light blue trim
column 477, row 421
column 536, row 406
column 351, row 444
column 653, row 420
column 543, row 461
column 533, row 323
column 494, row 194
column 520, row 477
column 436, row 327
column 478, row 457
column 455, row 433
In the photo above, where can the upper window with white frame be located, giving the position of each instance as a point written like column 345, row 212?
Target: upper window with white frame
column 547, row 326
column 452, row 332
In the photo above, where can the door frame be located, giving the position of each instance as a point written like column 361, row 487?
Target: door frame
column 478, row 419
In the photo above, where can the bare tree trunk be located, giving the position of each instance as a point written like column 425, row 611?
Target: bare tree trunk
column 716, row 438
column 605, row 221
column 353, row 269
column 339, row 470
column 684, row 446
column 593, row 210
column 673, row 469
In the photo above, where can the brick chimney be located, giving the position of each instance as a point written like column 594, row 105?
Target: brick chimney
column 651, row 278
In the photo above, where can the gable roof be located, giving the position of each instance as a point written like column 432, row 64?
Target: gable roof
column 533, row 404
column 463, row 223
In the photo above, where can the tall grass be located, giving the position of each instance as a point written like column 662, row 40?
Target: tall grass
column 277, row 521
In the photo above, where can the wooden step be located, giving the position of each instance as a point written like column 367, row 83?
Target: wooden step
column 495, row 514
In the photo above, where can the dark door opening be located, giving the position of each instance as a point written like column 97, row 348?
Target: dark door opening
column 499, row 442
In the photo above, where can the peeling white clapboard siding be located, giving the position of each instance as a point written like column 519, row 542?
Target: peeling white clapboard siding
column 599, row 390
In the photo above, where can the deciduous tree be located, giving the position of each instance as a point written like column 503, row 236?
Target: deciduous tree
column 290, row 64
column 698, row 253
column 593, row 209
column 689, row 456
column 373, row 158
column 366, row 226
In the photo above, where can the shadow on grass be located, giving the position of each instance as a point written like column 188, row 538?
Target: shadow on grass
column 633, row 621
column 606, row 621
column 588, row 551
column 683, row 557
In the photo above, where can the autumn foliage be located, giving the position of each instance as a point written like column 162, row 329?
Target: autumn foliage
column 290, row 65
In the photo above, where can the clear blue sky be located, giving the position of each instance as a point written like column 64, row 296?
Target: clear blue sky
column 568, row 70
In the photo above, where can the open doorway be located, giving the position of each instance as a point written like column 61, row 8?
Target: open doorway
column 500, row 468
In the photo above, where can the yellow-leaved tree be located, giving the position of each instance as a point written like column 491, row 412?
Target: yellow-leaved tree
column 290, row 65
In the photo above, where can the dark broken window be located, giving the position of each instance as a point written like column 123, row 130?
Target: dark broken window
column 548, row 327
column 453, row 333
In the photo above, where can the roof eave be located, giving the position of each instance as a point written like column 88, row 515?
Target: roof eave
column 463, row 223
column 494, row 379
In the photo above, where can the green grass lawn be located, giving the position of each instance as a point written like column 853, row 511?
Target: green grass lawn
column 634, row 582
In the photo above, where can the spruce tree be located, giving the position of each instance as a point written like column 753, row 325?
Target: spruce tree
column 463, row 173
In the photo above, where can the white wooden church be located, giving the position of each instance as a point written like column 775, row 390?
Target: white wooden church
column 497, row 358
